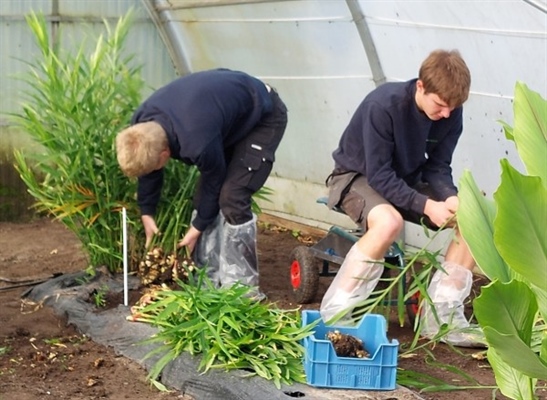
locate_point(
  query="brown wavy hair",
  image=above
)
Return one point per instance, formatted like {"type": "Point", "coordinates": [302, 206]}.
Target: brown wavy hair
{"type": "Point", "coordinates": [445, 74]}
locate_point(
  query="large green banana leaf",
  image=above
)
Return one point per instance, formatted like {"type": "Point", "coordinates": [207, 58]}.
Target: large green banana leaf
{"type": "Point", "coordinates": [508, 238]}
{"type": "Point", "coordinates": [476, 223]}
{"type": "Point", "coordinates": [520, 226]}
{"type": "Point", "coordinates": [530, 130]}
{"type": "Point", "coordinates": [507, 311]}
{"type": "Point", "coordinates": [541, 296]}
{"type": "Point", "coordinates": [512, 383]}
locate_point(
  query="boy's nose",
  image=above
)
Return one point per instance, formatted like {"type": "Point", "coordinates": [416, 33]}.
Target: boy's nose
{"type": "Point", "coordinates": [445, 112]}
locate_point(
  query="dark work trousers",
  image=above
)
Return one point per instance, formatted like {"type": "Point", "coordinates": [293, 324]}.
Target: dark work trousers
{"type": "Point", "coordinates": [250, 163]}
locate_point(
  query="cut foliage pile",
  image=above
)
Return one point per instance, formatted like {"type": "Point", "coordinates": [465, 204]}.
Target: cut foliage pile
{"type": "Point", "coordinates": [228, 328]}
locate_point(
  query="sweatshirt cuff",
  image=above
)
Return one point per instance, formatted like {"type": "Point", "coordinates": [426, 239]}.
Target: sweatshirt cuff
{"type": "Point", "coordinates": [418, 204]}
{"type": "Point", "coordinates": [148, 210]}
{"type": "Point", "coordinates": [201, 224]}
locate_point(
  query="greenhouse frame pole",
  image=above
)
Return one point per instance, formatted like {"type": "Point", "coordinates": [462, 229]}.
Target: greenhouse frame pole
{"type": "Point", "coordinates": [171, 37]}
{"type": "Point", "coordinates": [368, 43]}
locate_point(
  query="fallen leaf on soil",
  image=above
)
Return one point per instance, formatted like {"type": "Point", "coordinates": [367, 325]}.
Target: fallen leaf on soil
{"type": "Point", "coordinates": [99, 362]}
{"type": "Point", "coordinates": [479, 356]}
{"type": "Point", "coordinates": [92, 382]}
{"type": "Point", "coordinates": [306, 239]}
{"type": "Point", "coordinates": [278, 229]}
{"type": "Point", "coordinates": [409, 355]}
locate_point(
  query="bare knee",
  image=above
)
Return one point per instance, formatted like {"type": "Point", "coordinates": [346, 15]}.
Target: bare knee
{"type": "Point", "coordinates": [386, 222]}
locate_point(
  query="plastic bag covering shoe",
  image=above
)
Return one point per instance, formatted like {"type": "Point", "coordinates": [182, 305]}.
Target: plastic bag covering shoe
{"type": "Point", "coordinates": [354, 282]}
{"type": "Point", "coordinates": [447, 291]}
{"type": "Point", "coordinates": [207, 251]}
{"type": "Point", "coordinates": [238, 257]}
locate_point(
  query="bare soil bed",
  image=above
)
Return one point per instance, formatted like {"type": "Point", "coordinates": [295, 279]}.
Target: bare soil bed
{"type": "Point", "coordinates": [43, 357]}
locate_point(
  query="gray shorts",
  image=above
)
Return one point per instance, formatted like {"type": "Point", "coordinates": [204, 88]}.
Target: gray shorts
{"type": "Point", "coordinates": [349, 192]}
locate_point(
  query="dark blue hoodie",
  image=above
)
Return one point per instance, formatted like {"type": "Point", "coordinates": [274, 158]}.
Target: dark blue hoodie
{"type": "Point", "coordinates": [204, 114]}
{"type": "Point", "coordinates": [395, 145]}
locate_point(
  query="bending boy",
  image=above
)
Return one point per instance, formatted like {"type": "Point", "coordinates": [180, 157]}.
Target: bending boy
{"type": "Point", "coordinates": [229, 125]}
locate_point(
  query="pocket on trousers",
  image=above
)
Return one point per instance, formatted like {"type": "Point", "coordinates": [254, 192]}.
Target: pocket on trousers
{"type": "Point", "coordinates": [258, 168]}
{"type": "Point", "coordinates": [338, 186]}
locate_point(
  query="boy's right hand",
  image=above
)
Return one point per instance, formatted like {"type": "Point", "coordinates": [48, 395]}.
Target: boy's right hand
{"type": "Point", "coordinates": [438, 212]}
{"type": "Point", "coordinates": [150, 228]}
{"type": "Point", "coordinates": [190, 239]}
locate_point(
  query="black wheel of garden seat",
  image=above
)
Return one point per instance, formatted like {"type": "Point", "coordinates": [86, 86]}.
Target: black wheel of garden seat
{"type": "Point", "coordinates": [304, 275]}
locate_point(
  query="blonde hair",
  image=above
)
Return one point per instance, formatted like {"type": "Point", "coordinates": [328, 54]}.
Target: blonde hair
{"type": "Point", "coordinates": [445, 74]}
{"type": "Point", "coordinates": [138, 148]}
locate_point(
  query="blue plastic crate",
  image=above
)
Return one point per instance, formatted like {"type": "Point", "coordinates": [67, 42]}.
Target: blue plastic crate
{"type": "Point", "coordinates": [325, 369]}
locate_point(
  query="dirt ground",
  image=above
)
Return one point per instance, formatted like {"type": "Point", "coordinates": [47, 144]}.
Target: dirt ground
{"type": "Point", "coordinates": [42, 357]}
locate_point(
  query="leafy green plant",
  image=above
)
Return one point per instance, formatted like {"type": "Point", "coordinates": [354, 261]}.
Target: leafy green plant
{"type": "Point", "coordinates": [75, 105]}
{"type": "Point", "coordinates": [426, 383]}
{"type": "Point", "coordinates": [508, 239]}
{"type": "Point", "coordinates": [228, 329]}
{"type": "Point", "coordinates": [52, 341]}
{"type": "Point", "coordinates": [99, 296]}
{"type": "Point", "coordinates": [175, 207]}
{"type": "Point", "coordinates": [4, 350]}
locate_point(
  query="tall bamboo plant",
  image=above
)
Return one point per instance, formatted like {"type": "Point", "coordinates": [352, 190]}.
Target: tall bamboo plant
{"type": "Point", "coordinates": [508, 239]}
{"type": "Point", "coordinates": [74, 105]}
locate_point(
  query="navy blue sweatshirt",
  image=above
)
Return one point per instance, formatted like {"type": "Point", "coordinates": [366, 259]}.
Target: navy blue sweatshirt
{"type": "Point", "coordinates": [395, 145]}
{"type": "Point", "coordinates": [203, 114]}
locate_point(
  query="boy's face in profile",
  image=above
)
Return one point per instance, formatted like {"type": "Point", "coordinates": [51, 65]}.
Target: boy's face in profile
{"type": "Point", "coordinates": [431, 104]}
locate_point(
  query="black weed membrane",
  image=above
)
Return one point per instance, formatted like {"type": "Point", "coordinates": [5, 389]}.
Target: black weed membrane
{"type": "Point", "coordinates": [75, 297]}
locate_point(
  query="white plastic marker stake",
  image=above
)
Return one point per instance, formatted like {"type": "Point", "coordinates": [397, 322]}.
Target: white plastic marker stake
{"type": "Point", "coordinates": [124, 241]}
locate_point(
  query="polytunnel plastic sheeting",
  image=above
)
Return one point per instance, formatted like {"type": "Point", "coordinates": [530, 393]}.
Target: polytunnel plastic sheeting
{"type": "Point", "coordinates": [324, 56]}
{"type": "Point", "coordinates": [69, 296]}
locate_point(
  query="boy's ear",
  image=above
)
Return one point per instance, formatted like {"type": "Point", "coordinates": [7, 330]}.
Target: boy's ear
{"type": "Point", "coordinates": [164, 157]}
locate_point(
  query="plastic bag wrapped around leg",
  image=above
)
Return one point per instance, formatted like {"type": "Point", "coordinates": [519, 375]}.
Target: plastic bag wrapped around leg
{"type": "Point", "coordinates": [354, 282]}
{"type": "Point", "coordinates": [448, 290]}
{"type": "Point", "coordinates": [207, 251]}
{"type": "Point", "coordinates": [238, 257]}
